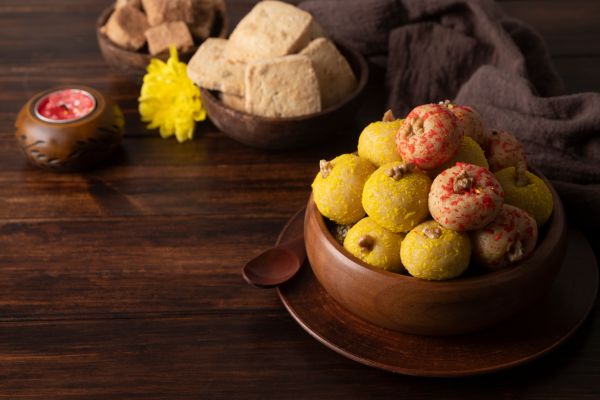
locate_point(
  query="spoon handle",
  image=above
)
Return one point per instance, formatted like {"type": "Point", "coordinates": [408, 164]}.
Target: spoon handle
{"type": "Point", "coordinates": [296, 246]}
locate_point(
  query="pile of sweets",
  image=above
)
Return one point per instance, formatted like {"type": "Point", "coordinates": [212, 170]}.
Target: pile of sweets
{"type": "Point", "coordinates": [161, 23]}
{"type": "Point", "coordinates": [277, 63]}
{"type": "Point", "coordinates": [434, 193]}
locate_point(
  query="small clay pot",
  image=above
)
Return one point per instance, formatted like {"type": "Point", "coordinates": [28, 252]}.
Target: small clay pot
{"type": "Point", "coordinates": [74, 144]}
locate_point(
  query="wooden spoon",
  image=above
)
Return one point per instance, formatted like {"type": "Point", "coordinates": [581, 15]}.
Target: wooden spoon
{"type": "Point", "coordinates": [277, 265]}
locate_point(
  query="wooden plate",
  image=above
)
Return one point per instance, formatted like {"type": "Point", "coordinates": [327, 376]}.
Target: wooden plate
{"type": "Point", "coordinates": [532, 334]}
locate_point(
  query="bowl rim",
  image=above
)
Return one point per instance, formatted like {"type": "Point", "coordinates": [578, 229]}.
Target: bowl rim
{"type": "Point", "coordinates": [555, 229]}
{"type": "Point", "coordinates": [107, 12]}
{"type": "Point", "coordinates": [363, 69]}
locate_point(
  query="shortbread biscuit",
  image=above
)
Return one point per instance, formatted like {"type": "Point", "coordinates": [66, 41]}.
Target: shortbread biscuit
{"type": "Point", "coordinates": [336, 79]}
{"type": "Point", "coordinates": [233, 101]}
{"type": "Point", "coordinates": [282, 87]}
{"type": "Point", "coordinates": [209, 69]}
{"type": "Point", "coordinates": [271, 29]}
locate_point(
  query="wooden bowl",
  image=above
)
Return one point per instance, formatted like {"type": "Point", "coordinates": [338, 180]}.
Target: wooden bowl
{"type": "Point", "coordinates": [411, 305]}
{"type": "Point", "coordinates": [294, 132]}
{"type": "Point", "coordinates": [136, 61]}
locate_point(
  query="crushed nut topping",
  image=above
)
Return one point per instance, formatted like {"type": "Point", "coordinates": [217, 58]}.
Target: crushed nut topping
{"type": "Point", "coordinates": [432, 232]}
{"type": "Point", "coordinates": [412, 127]}
{"type": "Point", "coordinates": [463, 182]}
{"type": "Point", "coordinates": [325, 167]}
{"type": "Point", "coordinates": [366, 242]}
{"type": "Point", "coordinates": [388, 116]}
{"type": "Point", "coordinates": [521, 178]}
{"type": "Point", "coordinates": [398, 171]}
{"type": "Point", "coordinates": [515, 251]}
{"type": "Point", "coordinates": [446, 103]}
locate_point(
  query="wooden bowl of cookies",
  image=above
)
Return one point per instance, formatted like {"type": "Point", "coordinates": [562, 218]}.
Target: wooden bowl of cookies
{"type": "Point", "coordinates": [404, 303]}
{"type": "Point", "coordinates": [290, 132]}
{"type": "Point", "coordinates": [133, 61]}
{"type": "Point", "coordinates": [278, 81]}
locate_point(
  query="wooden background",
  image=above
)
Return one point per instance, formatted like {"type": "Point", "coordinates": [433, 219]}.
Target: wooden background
{"type": "Point", "coordinates": [125, 282]}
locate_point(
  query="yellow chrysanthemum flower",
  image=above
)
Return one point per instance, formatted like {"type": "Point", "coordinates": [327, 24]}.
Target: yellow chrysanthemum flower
{"type": "Point", "coordinates": [169, 100]}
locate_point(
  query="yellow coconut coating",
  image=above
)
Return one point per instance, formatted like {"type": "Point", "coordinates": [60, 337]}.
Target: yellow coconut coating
{"type": "Point", "coordinates": [535, 198]}
{"type": "Point", "coordinates": [468, 152]}
{"type": "Point", "coordinates": [397, 204]}
{"type": "Point", "coordinates": [377, 142]}
{"type": "Point", "coordinates": [380, 248]}
{"type": "Point", "coordinates": [435, 258]}
{"type": "Point", "coordinates": [338, 194]}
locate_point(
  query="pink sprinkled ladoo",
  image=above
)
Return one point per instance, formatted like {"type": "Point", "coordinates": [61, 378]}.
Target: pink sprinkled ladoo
{"type": "Point", "coordinates": [509, 238]}
{"type": "Point", "coordinates": [471, 121]}
{"type": "Point", "coordinates": [465, 197]}
{"type": "Point", "coordinates": [429, 136]}
{"type": "Point", "coordinates": [504, 150]}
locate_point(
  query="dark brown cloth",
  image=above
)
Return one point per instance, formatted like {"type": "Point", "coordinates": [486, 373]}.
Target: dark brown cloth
{"type": "Point", "coordinates": [470, 51]}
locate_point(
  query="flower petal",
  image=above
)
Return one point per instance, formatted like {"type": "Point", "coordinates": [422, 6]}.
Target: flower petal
{"type": "Point", "coordinates": [169, 100]}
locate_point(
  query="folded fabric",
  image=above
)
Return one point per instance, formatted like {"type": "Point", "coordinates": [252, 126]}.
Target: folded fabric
{"type": "Point", "coordinates": [470, 51]}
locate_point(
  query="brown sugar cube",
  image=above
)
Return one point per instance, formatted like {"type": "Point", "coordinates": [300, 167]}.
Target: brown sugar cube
{"type": "Point", "coordinates": [134, 3]}
{"type": "Point", "coordinates": [161, 11]}
{"type": "Point", "coordinates": [271, 29]}
{"type": "Point", "coordinates": [161, 37]}
{"type": "Point", "coordinates": [203, 15]}
{"type": "Point", "coordinates": [209, 69]}
{"type": "Point", "coordinates": [126, 27]}
{"type": "Point", "coordinates": [233, 101]}
{"type": "Point", "coordinates": [336, 79]}
{"type": "Point", "coordinates": [282, 87]}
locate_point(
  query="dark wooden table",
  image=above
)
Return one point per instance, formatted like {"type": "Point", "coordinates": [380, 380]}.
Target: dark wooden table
{"type": "Point", "coordinates": [125, 282]}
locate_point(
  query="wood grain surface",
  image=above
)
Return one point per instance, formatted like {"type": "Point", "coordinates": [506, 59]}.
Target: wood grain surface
{"type": "Point", "coordinates": [124, 282]}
